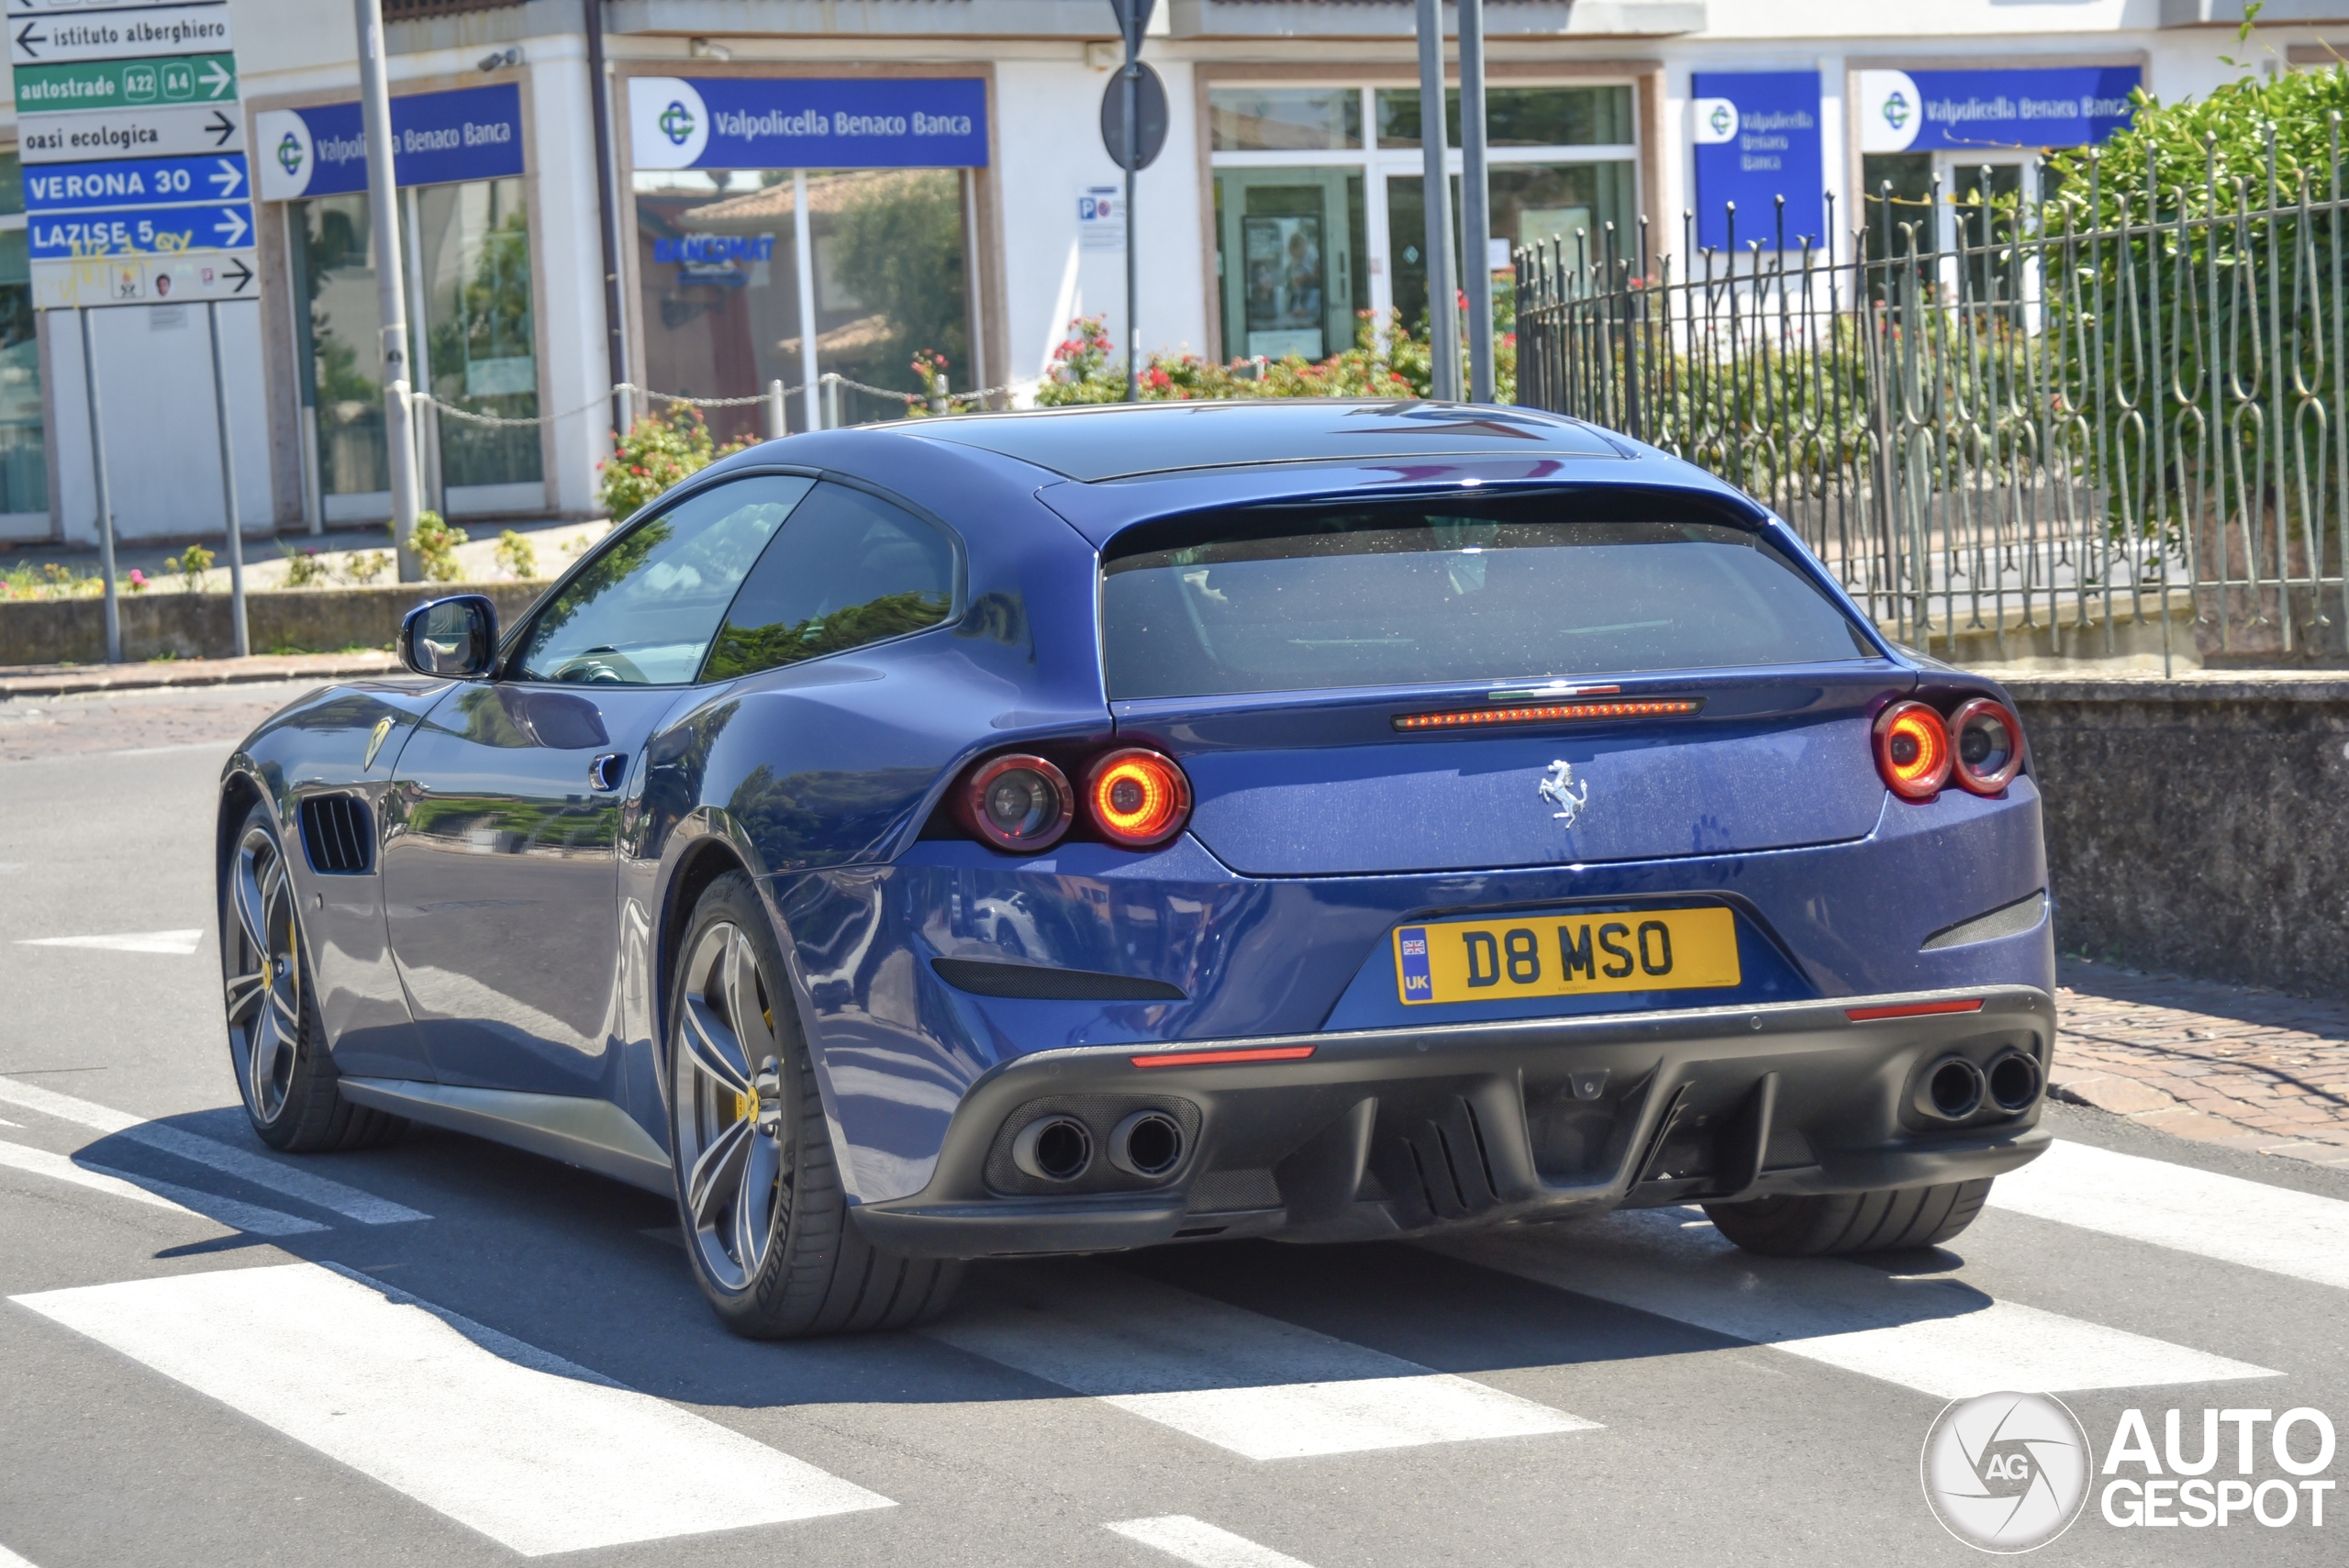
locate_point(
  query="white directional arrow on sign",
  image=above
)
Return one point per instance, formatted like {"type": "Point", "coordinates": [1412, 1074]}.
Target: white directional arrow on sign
{"type": "Point", "coordinates": [229, 179]}
{"type": "Point", "coordinates": [216, 80]}
{"type": "Point", "coordinates": [229, 227]}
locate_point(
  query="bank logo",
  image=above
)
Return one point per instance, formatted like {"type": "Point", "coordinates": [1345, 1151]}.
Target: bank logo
{"type": "Point", "coordinates": [677, 123]}
{"type": "Point", "coordinates": [289, 154]}
{"type": "Point", "coordinates": [1723, 121]}
{"type": "Point", "coordinates": [1895, 109]}
{"type": "Point", "coordinates": [2006, 1473]}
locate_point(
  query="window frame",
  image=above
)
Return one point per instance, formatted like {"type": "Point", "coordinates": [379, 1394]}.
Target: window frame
{"type": "Point", "coordinates": [508, 669]}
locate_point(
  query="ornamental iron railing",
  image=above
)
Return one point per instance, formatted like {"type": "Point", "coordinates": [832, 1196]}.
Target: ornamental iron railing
{"type": "Point", "coordinates": [2107, 422]}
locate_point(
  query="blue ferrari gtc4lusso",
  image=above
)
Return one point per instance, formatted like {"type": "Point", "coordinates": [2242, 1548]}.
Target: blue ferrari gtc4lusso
{"type": "Point", "coordinates": [1069, 831]}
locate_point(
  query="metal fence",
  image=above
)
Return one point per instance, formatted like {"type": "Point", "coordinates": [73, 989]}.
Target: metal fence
{"type": "Point", "coordinates": [2010, 425]}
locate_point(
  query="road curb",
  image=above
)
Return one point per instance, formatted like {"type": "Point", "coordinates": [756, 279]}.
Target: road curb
{"type": "Point", "coordinates": [73, 679]}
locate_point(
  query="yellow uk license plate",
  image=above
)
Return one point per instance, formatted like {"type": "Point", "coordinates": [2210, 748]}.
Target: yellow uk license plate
{"type": "Point", "coordinates": [1566, 955]}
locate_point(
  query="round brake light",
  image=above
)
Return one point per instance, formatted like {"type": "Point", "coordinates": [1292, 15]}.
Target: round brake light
{"type": "Point", "coordinates": [1987, 743]}
{"type": "Point", "coordinates": [1912, 751]}
{"type": "Point", "coordinates": [1139, 797]}
{"type": "Point", "coordinates": [1018, 803]}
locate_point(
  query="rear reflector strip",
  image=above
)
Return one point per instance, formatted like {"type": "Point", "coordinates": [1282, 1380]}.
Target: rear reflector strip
{"type": "Point", "coordinates": [1550, 713]}
{"type": "Point", "coordinates": [1913, 1010]}
{"type": "Point", "coordinates": [1224, 1058]}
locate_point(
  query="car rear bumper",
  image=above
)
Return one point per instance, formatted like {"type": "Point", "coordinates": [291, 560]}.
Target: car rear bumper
{"type": "Point", "coordinates": [1385, 1132]}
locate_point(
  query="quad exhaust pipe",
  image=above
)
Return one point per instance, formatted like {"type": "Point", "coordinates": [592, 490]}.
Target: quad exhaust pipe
{"type": "Point", "coordinates": [1148, 1144]}
{"type": "Point", "coordinates": [1954, 1089]}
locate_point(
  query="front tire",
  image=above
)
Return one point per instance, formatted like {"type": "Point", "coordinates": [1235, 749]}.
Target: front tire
{"type": "Point", "coordinates": [276, 1037]}
{"type": "Point", "coordinates": [766, 1220]}
{"type": "Point", "coordinates": [1888, 1220]}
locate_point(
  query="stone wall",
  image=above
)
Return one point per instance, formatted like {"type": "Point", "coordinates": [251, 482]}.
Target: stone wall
{"type": "Point", "coordinates": [198, 625]}
{"type": "Point", "coordinates": [2198, 824]}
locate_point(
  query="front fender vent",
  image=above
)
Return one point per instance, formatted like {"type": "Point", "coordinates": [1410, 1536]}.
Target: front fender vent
{"type": "Point", "coordinates": [338, 835]}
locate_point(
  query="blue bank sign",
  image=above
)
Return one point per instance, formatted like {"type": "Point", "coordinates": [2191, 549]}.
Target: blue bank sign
{"type": "Point", "coordinates": [1757, 139]}
{"type": "Point", "coordinates": [1903, 111]}
{"type": "Point", "coordinates": [438, 139]}
{"type": "Point", "coordinates": [808, 122]}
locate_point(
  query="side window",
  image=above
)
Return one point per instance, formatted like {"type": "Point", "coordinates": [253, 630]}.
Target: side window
{"type": "Point", "coordinates": [644, 609]}
{"type": "Point", "coordinates": [848, 570]}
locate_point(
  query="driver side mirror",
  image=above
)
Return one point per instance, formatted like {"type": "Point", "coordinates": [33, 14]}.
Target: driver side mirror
{"type": "Point", "coordinates": [455, 637]}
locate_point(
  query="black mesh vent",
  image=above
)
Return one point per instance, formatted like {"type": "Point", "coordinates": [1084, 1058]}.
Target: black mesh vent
{"type": "Point", "coordinates": [337, 834]}
{"type": "Point", "coordinates": [1034, 982]}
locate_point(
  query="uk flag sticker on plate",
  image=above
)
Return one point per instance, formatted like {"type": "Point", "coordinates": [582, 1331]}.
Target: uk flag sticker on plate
{"type": "Point", "coordinates": [1411, 951]}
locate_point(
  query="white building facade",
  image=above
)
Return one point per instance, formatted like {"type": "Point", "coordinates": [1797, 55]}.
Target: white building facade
{"type": "Point", "coordinates": [810, 192]}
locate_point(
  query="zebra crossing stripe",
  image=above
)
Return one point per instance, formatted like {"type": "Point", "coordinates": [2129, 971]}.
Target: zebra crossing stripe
{"type": "Point", "coordinates": [1247, 1383]}
{"type": "Point", "coordinates": [242, 1163]}
{"type": "Point", "coordinates": [2225, 1219]}
{"type": "Point", "coordinates": [538, 1454]}
{"type": "Point", "coordinates": [1197, 1542]}
{"type": "Point", "coordinates": [146, 1190]}
{"type": "Point", "coordinates": [1938, 1336]}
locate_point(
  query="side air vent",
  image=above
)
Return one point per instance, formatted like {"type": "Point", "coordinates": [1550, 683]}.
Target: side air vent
{"type": "Point", "coordinates": [1037, 983]}
{"type": "Point", "coordinates": [337, 834]}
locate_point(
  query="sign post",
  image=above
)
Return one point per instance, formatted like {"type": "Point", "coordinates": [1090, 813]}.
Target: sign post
{"type": "Point", "coordinates": [383, 213]}
{"type": "Point", "coordinates": [137, 190]}
{"type": "Point", "coordinates": [1133, 152]}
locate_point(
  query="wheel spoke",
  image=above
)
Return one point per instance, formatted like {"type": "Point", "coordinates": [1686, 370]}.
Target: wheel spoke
{"type": "Point", "coordinates": [754, 1204]}
{"type": "Point", "coordinates": [244, 995]}
{"type": "Point", "coordinates": [742, 995]}
{"type": "Point", "coordinates": [260, 1060]}
{"type": "Point", "coordinates": [246, 894]}
{"type": "Point", "coordinates": [715, 1175]}
{"type": "Point", "coordinates": [713, 1048]}
{"type": "Point", "coordinates": [288, 1021]}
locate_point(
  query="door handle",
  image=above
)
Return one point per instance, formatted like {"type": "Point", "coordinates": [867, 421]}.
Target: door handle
{"type": "Point", "coordinates": [606, 772]}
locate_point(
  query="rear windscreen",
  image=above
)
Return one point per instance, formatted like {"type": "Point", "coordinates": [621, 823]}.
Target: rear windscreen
{"type": "Point", "coordinates": [1294, 600]}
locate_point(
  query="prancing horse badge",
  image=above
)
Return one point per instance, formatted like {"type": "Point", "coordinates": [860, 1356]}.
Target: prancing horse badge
{"type": "Point", "coordinates": [1560, 789]}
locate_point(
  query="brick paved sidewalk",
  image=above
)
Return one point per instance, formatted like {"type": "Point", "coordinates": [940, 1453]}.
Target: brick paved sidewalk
{"type": "Point", "coordinates": [70, 680]}
{"type": "Point", "coordinates": [2223, 1063]}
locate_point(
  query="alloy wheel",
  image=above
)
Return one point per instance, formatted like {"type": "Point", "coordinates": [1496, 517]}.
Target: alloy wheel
{"type": "Point", "coordinates": [730, 1139]}
{"type": "Point", "coordinates": [265, 984]}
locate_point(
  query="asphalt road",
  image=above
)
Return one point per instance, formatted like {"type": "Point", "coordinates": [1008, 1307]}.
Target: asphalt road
{"type": "Point", "coordinates": [445, 1352]}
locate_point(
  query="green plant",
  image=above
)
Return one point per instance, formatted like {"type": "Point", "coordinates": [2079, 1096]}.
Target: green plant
{"type": "Point", "coordinates": [436, 545]}
{"type": "Point", "coordinates": [191, 567]}
{"type": "Point", "coordinates": [303, 568]}
{"type": "Point", "coordinates": [517, 556]}
{"type": "Point", "coordinates": [657, 451]}
{"type": "Point", "coordinates": [1386, 361]}
{"type": "Point", "coordinates": [364, 566]}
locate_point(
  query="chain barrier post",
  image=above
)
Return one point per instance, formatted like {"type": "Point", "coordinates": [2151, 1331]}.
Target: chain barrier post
{"type": "Point", "coordinates": [777, 428]}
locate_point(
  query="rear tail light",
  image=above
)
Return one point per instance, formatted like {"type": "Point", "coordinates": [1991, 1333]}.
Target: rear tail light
{"type": "Point", "coordinates": [1018, 802]}
{"type": "Point", "coordinates": [1912, 749]}
{"type": "Point", "coordinates": [1138, 797]}
{"type": "Point", "coordinates": [1987, 744]}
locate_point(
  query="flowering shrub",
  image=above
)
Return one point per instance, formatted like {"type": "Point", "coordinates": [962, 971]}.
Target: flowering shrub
{"type": "Point", "coordinates": [517, 556]}
{"type": "Point", "coordinates": [1382, 363]}
{"type": "Point", "coordinates": [191, 568]}
{"type": "Point", "coordinates": [51, 580]}
{"type": "Point", "coordinates": [929, 369]}
{"type": "Point", "coordinates": [364, 566]}
{"type": "Point", "coordinates": [657, 451]}
{"type": "Point", "coordinates": [305, 568]}
{"type": "Point", "coordinates": [138, 581]}
{"type": "Point", "coordinates": [436, 547]}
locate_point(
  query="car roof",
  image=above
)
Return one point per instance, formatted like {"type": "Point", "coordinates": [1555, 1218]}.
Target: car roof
{"type": "Point", "coordinates": [1126, 440]}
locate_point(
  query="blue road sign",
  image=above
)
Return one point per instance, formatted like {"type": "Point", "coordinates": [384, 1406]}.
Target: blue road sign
{"type": "Point", "coordinates": [136, 182]}
{"type": "Point", "coordinates": [140, 231]}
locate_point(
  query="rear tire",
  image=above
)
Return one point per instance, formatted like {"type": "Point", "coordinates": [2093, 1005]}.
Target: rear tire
{"type": "Point", "coordinates": [277, 1039]}
{"type": "Point", "coordinates": [766, 1223]}
{"type": "Point", "coordinates": [1887, 1220]}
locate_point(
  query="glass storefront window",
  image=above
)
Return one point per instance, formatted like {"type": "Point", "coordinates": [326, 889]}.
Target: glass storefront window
{"type": "Point", "coordinates": [479, 336]}
{"type": "Point", "coordinates": [1519, 116]}
{"type": "Point", "coordinates": [1284, 119]}
{"type": "Point", "coordinates": [1531, 203]}
{"type": "Point", "coordinates": [24, 460]}
{"type": "Point", "coordinates": [1292, 252]}
{"type": "Point", "coordinates": [480, 346]}
{"type": "Point", "coordinates": [342, 361]}
{"type": "Point", "coordinates": [719, 272]}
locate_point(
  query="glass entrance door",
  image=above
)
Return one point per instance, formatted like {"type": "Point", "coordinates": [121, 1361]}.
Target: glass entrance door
{"type": "Point", "coordinates": [1299, 237]}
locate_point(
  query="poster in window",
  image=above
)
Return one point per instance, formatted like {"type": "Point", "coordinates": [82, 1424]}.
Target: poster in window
{"type": "Point", "coordinates": [1285, 261]}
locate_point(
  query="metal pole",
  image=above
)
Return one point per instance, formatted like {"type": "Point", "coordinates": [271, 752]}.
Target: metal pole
{"type": "Point", "coordinates": [1443, 336]}
{"type": "Point", "coordinates": [803, 243]}
{"type": "Point", "coordinates": [607, 208]}
{"type": "Point", "coordinates": [105, 502]}
{"type": "Point", "coordinates": [1475, 205]}
{"type": "Point", "coordinates": [778, 424]}
{"type": "Point", "coordinates": [425, 414]}
{"type": "Point", "coordinates": [383, 213]}
{"type": "Point", "coordinates": [1132, 159]}
{"type": "Point", "coordinates": [229, 487]}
